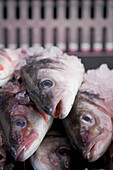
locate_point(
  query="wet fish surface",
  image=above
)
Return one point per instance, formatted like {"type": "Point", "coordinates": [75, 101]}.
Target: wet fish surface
{"type": "Point", "coordinates": [23, 125]}
{"type": "Point", "coordinates": [52, 80]}
{"type": "Point", "coordinates": [89, 124]}
{"type": "Point", "coordinates": [54, 153]}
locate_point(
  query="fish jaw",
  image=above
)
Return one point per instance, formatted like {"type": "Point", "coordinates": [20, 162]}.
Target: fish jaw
{"type": "Point", "coordinates": [98, 146]}
{"type": "Point", "coordinates": [67, 103]}
{"type": "Point", "coordinates": [59, 106]}
{"type": "Point", "coordinates": [59, 109]}
{"type": "Point", "coordinates": [27, 148]}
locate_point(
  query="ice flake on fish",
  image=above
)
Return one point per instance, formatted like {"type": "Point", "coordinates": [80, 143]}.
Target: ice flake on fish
{"type": "Point", "coordinates": [52, 79]}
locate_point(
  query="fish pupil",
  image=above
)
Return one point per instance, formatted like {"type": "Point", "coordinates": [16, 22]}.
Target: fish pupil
{"type": "Point", "coordinates": [21, 124]}
{"type": "Point", "coordinates": [86, 118]}
{"type": "Point", "coordinates": [1, 157]}
{"type": "Point", "coordinates": [64, 152]}
{"type": "Point", "coordinates": [46, 84]}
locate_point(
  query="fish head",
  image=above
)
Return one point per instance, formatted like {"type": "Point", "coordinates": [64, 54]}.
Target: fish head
{"type": "Point", "coordinates": [22, 134]}
{"type": "Point", "coordinates": [21, 125]}
{"type": "Point", "coordinates": [53, 153]}
{"type": "Point", "coordinates": [52, 83]}
{"type": "Point", "coordinates": [93, 130]}
{"type": "Point", "coordinates": [56, 93]}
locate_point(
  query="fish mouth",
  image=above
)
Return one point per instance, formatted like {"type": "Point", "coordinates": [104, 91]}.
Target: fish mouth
{"type": "Point", "coordinates": [57, 112]}
{"type": "Point", "coordinates": [97, 147]}
{"type": "Point", "coordinates": [89, 154]}
{"type": "Point", "coordinates": [24, 151]}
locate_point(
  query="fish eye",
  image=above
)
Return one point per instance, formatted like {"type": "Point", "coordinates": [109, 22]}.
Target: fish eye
{"type": "Point", "coordinates": [46, 84]}
{"type": "Point", "coordinates": [63, 151]}
{"type": "Point", "coordinates": [87, 119]}
{"type": "Point", "coordinates": [20, 122]}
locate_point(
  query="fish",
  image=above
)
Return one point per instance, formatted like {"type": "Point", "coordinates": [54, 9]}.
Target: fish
{"type": "Point", "coordinates": [52, 80]}
{"type": "Point", "coordinates": [10, 60]}
{"type": "Point", "coordinates": [54, 153]}
{"type": "Point", "coordinates": [24, 127]}
{"type": "Point", "coordinates": [89, 124]}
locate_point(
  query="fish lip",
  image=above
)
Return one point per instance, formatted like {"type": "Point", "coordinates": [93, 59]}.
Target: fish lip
{"type": "Point", "coordinates": [88, 155]}
{"type": "Point", "coordinates": [94, 146]}
{"type": "Point", "coordinates": [25, 146]}
{"type": "Point", "coordinates": [57, 110]}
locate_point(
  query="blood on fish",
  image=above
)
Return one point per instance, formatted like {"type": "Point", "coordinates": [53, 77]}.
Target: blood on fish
{"type": "Point", "coordinates": [23, 51]}
{"type": "Point", "coordinates": [87, 137]}
{"type": "Point", "coordinates": [58, 109]}
{"type": "Point", "coordinates": [32, 136]}
{"type": "Point", "coordinates": [6, 56]}
{"type": "Point", "coordinates": [1, 67]}
{"type": "Point", "coordinates": [42, 114]}
{"type": "Point", "coordinates": [6, 92]}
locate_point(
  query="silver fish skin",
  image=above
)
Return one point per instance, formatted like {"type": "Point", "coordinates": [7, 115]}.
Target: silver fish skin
{"type": "Point", "coordinates": [24, 127]}
{"type": "Point", "coordinates": [52, 80]}
{"type": "Point", "coordinates": [89, 124]}
{"type": "Point", "coordinates": [10, 60]}
{"type": "Point", "coordinates": [54, 153]}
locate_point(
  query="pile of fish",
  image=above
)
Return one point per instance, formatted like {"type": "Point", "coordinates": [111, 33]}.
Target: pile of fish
{"type": "Point", "coordinates": [38, 85]}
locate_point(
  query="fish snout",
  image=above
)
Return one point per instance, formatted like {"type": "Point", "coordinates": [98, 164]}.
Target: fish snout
{"type": "Point", "coordinates": [98, 146]}
{"type": "Point", "coordinates": [53, 110]}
